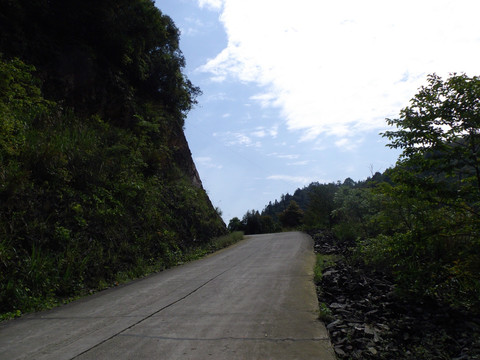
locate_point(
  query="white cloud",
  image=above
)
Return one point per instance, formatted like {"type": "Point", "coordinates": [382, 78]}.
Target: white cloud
{"type": "Point", "coordinates": [266, 99]}
{"type": "Point", "coordinates": [262, 132]}
{"type": "Point", "coordinates": [290, 156]}
{"type": "Point", "coordinates": [349, 144]}
{"type": "Point", "coordinates": [284, 156]}
{"type": "Point", "coordinates": [292, 179]}
{"type": "Point", "coordinates": [207, 162]}
{"type": "Point", "coordinates": [341, 142]}
{"type": "Point", "coordinates": [342, 67]}
{"type": "Point", "coordinates": [212, 4]}
{"type": "Point", "coordinates": [231, 138]}
{"type": "Point", "coordinates": [221, 96]}
{"type": "Point", "coordinates": [273, 131]}
{"type": "Point", "coordinates": [299, 163]}
{"type": "Point", "coordinates": [259, 133]}
{"type": "Point", "coordinates": [193, 27]}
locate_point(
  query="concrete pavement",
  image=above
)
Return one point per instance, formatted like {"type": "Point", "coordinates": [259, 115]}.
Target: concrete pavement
{"type": "Point", "coordinates": [254, 300]}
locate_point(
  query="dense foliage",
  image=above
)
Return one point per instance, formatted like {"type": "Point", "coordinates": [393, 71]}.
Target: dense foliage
{"type": "Point", "coordinates": [96, 178]}
{"type": "Point", "coordinates": [107, 57]}
{"type": "Point", "coordinates": [254, 223]}
{"type": "Point", "coordinates": [431, 241]}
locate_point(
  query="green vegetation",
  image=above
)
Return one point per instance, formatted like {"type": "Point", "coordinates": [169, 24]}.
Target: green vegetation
{"type": "Point", "coordinates": [419, 221]}
{"type": "Point", "coordinates": [324, 313]}
{"type": "Point", "coordinates": [323, 262]}
{"type": "Point", "coordinates": [292, 216]}
{"type": "Point", "coordinates": [430, 218]}
{"type": "Point", "coordinates": [212, 245]}
{"type": "Point", "coordinates": [97, 183]}
{"type": "Point", "coordinates": [309, 208]}
{"type": "Point", "coordinates": [254, 223]}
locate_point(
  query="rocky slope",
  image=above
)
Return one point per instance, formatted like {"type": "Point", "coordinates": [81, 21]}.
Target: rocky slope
{"type": "Point", "coordinates": [367, 320]}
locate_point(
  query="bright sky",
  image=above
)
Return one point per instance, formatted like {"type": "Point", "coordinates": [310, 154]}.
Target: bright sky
{"type": "Point", "coordinates": [298, 91]}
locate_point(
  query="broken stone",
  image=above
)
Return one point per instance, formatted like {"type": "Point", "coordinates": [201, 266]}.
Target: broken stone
{"type": "Point", "coordinates": [339, 351]}
{"type": "Point", "coordinates": [370, 320]}
{"type": "Point", "coordinates": [334, 323]}
{"type": "Point", "coordinates": [336, 306]}
{"type": "Point", "coordinates": [369, 330]}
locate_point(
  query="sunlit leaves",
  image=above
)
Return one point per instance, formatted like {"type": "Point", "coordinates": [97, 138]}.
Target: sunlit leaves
{"type": "Point", "coordinates": [431, 218]}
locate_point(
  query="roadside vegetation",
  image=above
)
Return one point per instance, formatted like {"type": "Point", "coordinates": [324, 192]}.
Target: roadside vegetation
{"type": "Point", "coordinates": [323, 262]}
{"type": "Point", "coordinates": [97, 184]}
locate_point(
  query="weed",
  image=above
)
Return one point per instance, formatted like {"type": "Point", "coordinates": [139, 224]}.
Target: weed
{"type": "Point", "coordinates": [324, 313]}
{"type": "Point", "coordinates": [323, 262]}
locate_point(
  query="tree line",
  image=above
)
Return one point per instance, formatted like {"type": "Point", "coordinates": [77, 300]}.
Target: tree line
{"type": "Point", "coordinates": [309, 207]}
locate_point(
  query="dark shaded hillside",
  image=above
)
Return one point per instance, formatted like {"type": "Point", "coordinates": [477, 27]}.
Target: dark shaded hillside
{"type": "Point", "coordinates": [100, 57]}
{"type": "Point", "coordinates": [96, 177]}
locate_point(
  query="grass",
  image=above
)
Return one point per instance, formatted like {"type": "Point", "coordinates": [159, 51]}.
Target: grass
{"type": "Point", "coordinates": [324, 313]}
{"type": "Point", "coordinates": [226, 240]}
{"type": "Point", "coordinates": [191, 254]}
{"type": "Point", "coordinates": [323, 261]}
{"type": "Point", "coordinates": [140, 271]}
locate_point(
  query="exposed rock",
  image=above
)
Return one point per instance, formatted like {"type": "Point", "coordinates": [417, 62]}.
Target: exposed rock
{"type": "Point", "coordinates": [369, 321]}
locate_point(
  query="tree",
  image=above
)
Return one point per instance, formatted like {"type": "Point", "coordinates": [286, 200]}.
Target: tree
{"type": "Point", "coordinates": [432, 207]}
{"type": "Point", "coordinates": [292, 216]}
{"type": "Point", "coordinates": [320, 205]}
{"type": "Point", "coordinates": [355, 212]}
{"type": "Point", "coordinates": [235, 224]}
{"type": "Point", "coordinates": [440, 137]}
{"type": "Point", "coordinates": [252, 222]}
{"type": "Point", "coordinates": [349, 182]}
{"type": "Point", "coordinates": [268, 224]}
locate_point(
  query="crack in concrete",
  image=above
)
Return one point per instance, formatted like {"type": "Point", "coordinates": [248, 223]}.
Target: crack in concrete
{"type": "Point", "coordinates": [85, 317]}
{"type": "Point", "coordinates": [161, 309]}
{"type": "Point", "coordinates": [228, 338]}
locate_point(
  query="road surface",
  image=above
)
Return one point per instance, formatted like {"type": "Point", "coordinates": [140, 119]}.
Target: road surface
{"type": "Point", "coordinates": [254, 300]}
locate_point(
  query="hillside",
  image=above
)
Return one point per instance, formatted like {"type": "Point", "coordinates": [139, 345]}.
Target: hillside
{"type": "Point", "coordinates": [96, 177]}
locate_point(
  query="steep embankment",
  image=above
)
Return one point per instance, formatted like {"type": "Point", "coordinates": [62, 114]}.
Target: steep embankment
{"type": "Point", "coordinates": [96, 177]}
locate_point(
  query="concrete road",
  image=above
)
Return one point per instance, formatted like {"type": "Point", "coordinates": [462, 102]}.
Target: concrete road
{"type": "Point", "coordinates": [254, 300]}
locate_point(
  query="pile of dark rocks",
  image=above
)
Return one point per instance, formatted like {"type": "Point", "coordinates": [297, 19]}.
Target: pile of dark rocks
{"type": "Point", "coordinates": [367, 320]}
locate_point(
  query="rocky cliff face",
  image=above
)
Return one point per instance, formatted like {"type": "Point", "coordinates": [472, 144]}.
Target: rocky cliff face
{"type": "Point", "coordinates": [183, 156]}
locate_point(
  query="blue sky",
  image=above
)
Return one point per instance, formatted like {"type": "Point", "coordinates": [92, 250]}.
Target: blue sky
{"type": "Point", "coordinates": [298, 91]}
